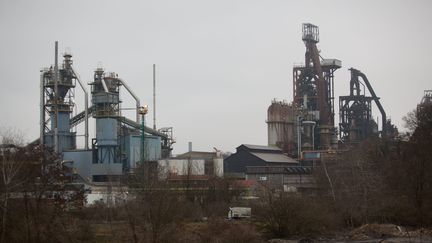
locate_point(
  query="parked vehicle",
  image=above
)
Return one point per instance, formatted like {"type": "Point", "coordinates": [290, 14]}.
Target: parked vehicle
{"type": "Point", "coordinates": [239, 213]}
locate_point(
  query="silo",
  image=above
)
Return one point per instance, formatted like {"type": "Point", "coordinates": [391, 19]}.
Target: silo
{"type": "Point", "coordinates": [280, 125]}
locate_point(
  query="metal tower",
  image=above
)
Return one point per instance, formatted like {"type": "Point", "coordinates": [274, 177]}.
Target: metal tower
{"type": "Point", "coordinates": [313, 91]}
{"type": "Point", "coordinates": [355, 121]}
{"type": "Point", "coordinates": [106, 110]}
{"type": "Point", "coordinates": [57, 103]}
{"type": "Point", "coordinates": [355, 113]}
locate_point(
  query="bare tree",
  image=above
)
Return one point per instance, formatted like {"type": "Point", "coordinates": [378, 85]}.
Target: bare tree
{"type": "Point", "coordinates": [410, 121]}
{"type": "Point", "coordinates": [10, 167]}
{"type": "Point", "coordinates": [154, 206]}
{"type": "Point", "coordinates": [35, 194]}
{"type": "Point", "coordinates": [285, 215]}
{"type": "Point", "coordinates": [416, 164]}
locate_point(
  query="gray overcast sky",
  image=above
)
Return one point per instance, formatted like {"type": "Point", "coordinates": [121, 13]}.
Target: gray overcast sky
{"type": "Point", "coordinates": [219, 63]}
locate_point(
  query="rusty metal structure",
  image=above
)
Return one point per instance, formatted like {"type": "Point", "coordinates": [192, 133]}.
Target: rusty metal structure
{"type": "Point", "coordinates": [306, 128]}
{"type": "Point", "coordinates": [313, 93]}
{"type": "Point", "coordinates": [356, 122]}
{"type": "Point", "coordinates": [280, 125]}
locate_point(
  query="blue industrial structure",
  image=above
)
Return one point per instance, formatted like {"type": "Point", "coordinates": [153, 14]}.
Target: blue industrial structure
{"type": "Point", "coordinates": [117, 148]}
{"type": "Point", "coordinates": [57, 103]}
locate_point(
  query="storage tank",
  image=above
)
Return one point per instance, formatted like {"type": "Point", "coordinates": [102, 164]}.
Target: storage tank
{"type": "Point", "coordinates": [280, 125]}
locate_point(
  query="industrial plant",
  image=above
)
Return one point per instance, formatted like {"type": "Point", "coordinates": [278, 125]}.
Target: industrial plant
{"type": "Point", "coordinates": [300, 132]}
{"type": "Point", "coordinates": [306, 127]}
{"type": "Point", "coordinates": [322, 169]}
{"type": "Point", "coordinates": [121, 143]}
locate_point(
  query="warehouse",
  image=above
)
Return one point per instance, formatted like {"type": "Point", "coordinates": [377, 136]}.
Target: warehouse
{"type": "Point", "coordinates": [255, 155]}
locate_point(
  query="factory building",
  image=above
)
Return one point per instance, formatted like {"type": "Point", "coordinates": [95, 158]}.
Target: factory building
{"type": "Point", "coordinates": [121, 144]}
{"type": "Point", "coordinates": [213, 161]}
{"type": "Point", "coordinates": [283, 178]}
{"type": "Point", "coordinates": [255, 155]}
{"type": "Point", "coordinates": [192, 165]}
{"type": "Point", "coordinates": [269, 168]}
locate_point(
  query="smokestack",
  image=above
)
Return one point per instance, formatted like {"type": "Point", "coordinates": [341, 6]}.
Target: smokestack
{"type": "Point", "coordinates": [154, 96]}
{"type": "Point", "coordinates": [56, 96]}
{"type": "Point", "coordinates": [190, 146]}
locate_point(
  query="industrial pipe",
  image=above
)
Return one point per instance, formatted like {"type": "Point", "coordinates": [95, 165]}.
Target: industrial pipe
{"type": "Point", "coordinates": [313, 131]}
{"type": "Point", "coordinates": [322, 87]}
{"type": "Point", "coordinates": [137, 125]}
{"type": "Point", "coordinates": [42, 108]}
{"type": "Point", "coordinates": [134, 96]}
{"type": "Point", "coordinates": [104, 85]}
{"type": "Point", "coordinates": [376, 99]}
{"type": "Point", "coordinates": [56, 146]}
{"type": "Point", "coordinates": [299, 137]}
{"type": "Point", "coordinates": [86, 133]}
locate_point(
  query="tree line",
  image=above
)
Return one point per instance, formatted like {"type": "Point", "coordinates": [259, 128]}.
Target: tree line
{"type": "Point", "coordinates": [378, 181]}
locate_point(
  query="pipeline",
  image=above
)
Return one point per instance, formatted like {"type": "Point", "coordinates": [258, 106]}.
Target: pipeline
{"type": "Point", "coordinates": [137, 100]}
{"type": "Point", "coordinates": [358, 73]}
{"type": "Point", "coordinates": [86, 113]}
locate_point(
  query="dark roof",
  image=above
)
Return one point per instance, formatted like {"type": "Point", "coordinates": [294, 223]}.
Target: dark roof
{"type": "Point", "coordinates": [274, 158]}
{"type": "Point", "coordinates": [256, 155]}
{"type": "Point", "coordinates": [278, 170]}
{"type": "Point", "coordinates": [260, 147]}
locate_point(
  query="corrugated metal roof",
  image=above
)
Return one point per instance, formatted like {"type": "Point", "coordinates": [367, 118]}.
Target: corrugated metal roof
{"type": "Point", "coordinates": [279, 170]}
{"type": "Point", "coordinates": [298, 170]}
{"type": "Point", "coordinates": [275, 158]}
{"type": "Point", "coordinates": [261, 147]}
